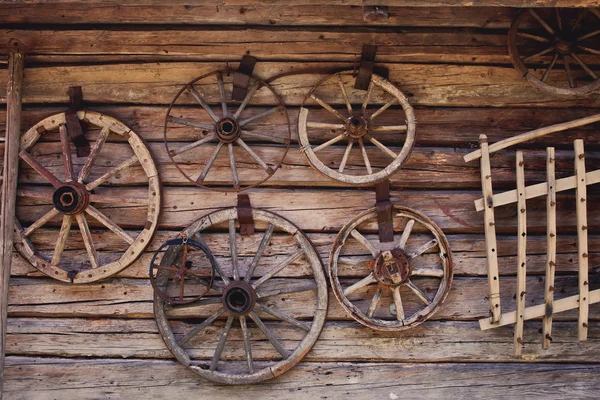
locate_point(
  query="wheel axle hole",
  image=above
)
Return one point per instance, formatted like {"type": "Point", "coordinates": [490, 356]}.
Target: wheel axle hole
{"type": "Point", "coordinates": [238, 299]}
{"type": "Point", "coordinates": [355, 122]}
{"type": "Point", "coordinates": [67, 199]}
{"type": "Point", "coordinates": [227, 127]}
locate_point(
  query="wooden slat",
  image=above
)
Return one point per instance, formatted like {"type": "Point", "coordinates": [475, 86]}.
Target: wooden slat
{"type": "Point", "coordinates": [582, 240]}
{"type": "Point", "coordinates": [551, 251]}
{"type": "Point", "coordinates": [521, 253]}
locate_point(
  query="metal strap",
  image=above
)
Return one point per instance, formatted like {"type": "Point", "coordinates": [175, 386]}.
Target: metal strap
{"type": "Point", "coordinates": [244, 211]}
{"type": "Point", "coordinates": [241, 78]}
{"type": "Point", "coordinates": [73, 125]}
{"type": "Point", "coordinates": [367, 60]}
{"type": "Point", "coordinates": [385, 219]}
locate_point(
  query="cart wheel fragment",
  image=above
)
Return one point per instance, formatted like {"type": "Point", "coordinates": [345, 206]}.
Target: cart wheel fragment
{"type": "Point", "coordinates": [269, 299]}
{"type": "Point", "coordinates": [228, 135]}
{"type": "Point", "coordinates": [366, 121]}
{"type": "Point", "coordinates": [557, 50]}
{"type": "Point", "coordinates": [83, 194]}
{"type": "Point", "coordinates": [401, 283]}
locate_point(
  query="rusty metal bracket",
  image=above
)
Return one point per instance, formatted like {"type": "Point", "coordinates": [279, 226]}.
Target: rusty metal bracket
{"type": "Point", "coordinates": [74, 128]}
{"type": "Point", "coordinates": [367, 61]}
{"type": "Point", "coordinates": [385, 219]}
{"type": "Point", "coordinates": [244, 211]}
{"type": "Point", "coordinates": [241, 78]}
{"type": "Point", "coordinates": [376, 13]}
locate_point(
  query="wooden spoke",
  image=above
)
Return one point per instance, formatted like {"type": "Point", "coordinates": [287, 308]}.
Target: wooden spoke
{"type": "Point", "coordinates": [202, 102]}
{"type": "Point", "coordinates": [547, 72]}
{"type": "Point", "coordinates": [124, 165]}
{"type": "Point", "coordinates": [234, 175]}
{"type": "Point", "coordinates": [588, 35]}
{"type": "Point", "coordinates": [382, 109]}
{"type": "Point", "coordinates": [589, 50]}
{"type": "Point", "coordinates": [209, 164]}
{"type": "Point", "coordinates": [270, 336]}
{"type": "Point", "coordinates": [327, 107]}
{"type": "Point", "coordinates": [65, 147]}
{"type": "Point", "coordinates": [375, 302]}
{"type": "Point", "coordinates": [346, 155]}
{"type": "Point", "coordinates": [261, 249]}
{"type": "Point", "coordinates": [533, 37]}
{"type": "Point", "coordinates": [365, 242]}
{"type": "Point", "coordinates": [322, 125]}
{"type": "Point", "coordinates": [381, 146]}
{"type": "Point", "coordinates": [87, 167]}
{"type": "Point", "coordinates": [568, 72]}
{"type": "Point", "coordinates": [262, 136]}
{"type": "Point", "coordinates": [41, 222]}
{"type": "Point", "coordinates": [417, 292]}
{"type": "Point", "coordinates": [429, 245]}
{"type": "Point", "coordinates": [594, 11]}
{"type": "Point", "coordinates": [40, 169]}
{"type": "Point", "coordinates": [255, 156]}
{"type": "Point", "coordinates": [428, 272]}
{"type": "Point", "coordinates": [198, 237]}
{"type": "Point", "coordinates": [278, 268]}
{"type": "Point", "coordinates": [345, 95]}
{"type": "Point", "coordinates": [539, 54]}
{"type": "Point", "coordinates": [366, 281]}
{"type": "Point", "coordinates": [62, 239]}
{"type": "Point", "coordinates": [222, 94]}
{"type": "Point", "coordinates": [558, 19]}
{"type": "Point", "coordinates": [283, 317]}
{"type": "Point", "coordinates": [541, 21]}
{"type": "Point", "coordinates": [221, 345]}
{"type": "Point", "coordinates": [187, 122]}
{"type": "Point", "coordinates": [406, 233]}
{"type": "Point", "coordinates": [104, 220]}
{"type": "Point", "coordinates": [391, 128]}
{"type": "Point", "coordinates": [584, 66]}
{"type": "Point", "coordinates": [368, 96]}
{"type": "Point", "coordinates": [205, 324]}
{"type": "Point", "coordinates": [247, 345]}
{"type": "Point", "coordinates": [261, 115]}
{"type": "Point", "coordinates": [398, 303]}
{"type": "Point", "coordinates": [87, 240]}
{"type": "Point", "coordinates": [233, 250]}
{"type": "Point", "coordinates": [98, 198]}
{"type": "Point", "coordinates": [244, 103]}
{"type": "Point", "coordinates": [191, 145]}
{"type": "Point", "coordinates": [329, 142]}
{"type": "Point", "coordinates": [365, 156]}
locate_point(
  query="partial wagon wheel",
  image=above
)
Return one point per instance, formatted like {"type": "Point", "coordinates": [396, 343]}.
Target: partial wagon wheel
{"type": "Point", "coordinates": [230, 129]}
{"type": "Point", "coordinates": [363, 121]}
{"type": "Point", "coordinates": [411, 275]}
{"type": "Point", "coordinates": [78, 198]}
{"type": "Point", "coordinates": [557, 50]}
{"type": "Point", "coordinates": [246, 305]}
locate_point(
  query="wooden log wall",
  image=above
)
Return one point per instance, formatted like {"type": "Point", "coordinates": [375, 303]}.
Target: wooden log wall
{"type": "Point", "coordinates": [100, 340]}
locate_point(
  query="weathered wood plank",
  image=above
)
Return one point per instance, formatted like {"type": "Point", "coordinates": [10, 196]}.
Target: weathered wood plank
{"type": "Point", "coordinates": [156, 83]}
{"type": "Point", "coordinates": [434, 341]}
{"type": "Point", "coordinates": [38, 378]}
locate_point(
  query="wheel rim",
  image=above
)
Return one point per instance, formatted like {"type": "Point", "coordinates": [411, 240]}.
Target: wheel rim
{"type": "Point", "coordinates": [357, 124]}
{"type": "Point", "coordinates": [76, 196]}
{"type": "Point", "coordinates": [241, 301]}
{"type": "Point", "coordinates": [232, 128]}
{"type": "Point", "coordinates": [394, 269]}
{"type": "Point", "coordinates": [558, 39]}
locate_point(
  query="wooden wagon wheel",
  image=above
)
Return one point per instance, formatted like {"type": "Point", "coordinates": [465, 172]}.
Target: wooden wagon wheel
{"type": "Point", "coordinates": [405, 269]}
{"type": "Point", "coordinates": [558, 54]}
{"type": "Point", "coordinates": [250, 297]}
{"type": "Point", "coordinates": [357, 122]}
{"type": "Point", "coordinates": [76, 196]}
{"type": "Point", "coordinates": [230, 125]}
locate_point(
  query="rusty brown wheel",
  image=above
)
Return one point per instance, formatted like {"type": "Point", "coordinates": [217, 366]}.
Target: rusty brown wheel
{"type": "Point", "coordinates": [403, 282]}
{"type": "Point", "coordinates": [334, 113]}
{"type": "Point", "coordinates": [228, 135]}
{"type": "Point", "coordinates": [557, 50]}
{"type": "Point", "coordinates": [90, 197]}
{"type": "Point", "coordinates": [269, 301]}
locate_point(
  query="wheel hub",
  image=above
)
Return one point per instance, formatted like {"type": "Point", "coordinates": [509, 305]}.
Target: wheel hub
{"type": "Point", "coordinates": [392, 267]}
{"type": "Point", "coordinates": [563, 46]}
{"type": "Point", "coordinates": [239, 297]}
{"type": "Point", "coordinates": [228, 130]}
{"type": "Point", "coordinates": [71, 198]}
{"type": "Point", "coordinates": [356, 126]}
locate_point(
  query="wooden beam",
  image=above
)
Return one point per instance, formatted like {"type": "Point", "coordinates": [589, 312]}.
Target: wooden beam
{"type": "Point", "coordinates": [521, 253]}
{"type": "Point", "coordinates": [582, 240]}
{"type": "Point", "coordinates": [9, 184]}
{"type": "Point", "coordinates": [551, 250]}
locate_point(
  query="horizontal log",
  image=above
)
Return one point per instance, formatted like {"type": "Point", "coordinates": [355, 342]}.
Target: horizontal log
{"type": "Point", "coordinates": [32, 377]}
{"type": "Point", "coordinates": [433, 341]}
{"type": "Point", "coordinates": [132, 298]}
{"type": "Point", "coordinates": [157, 83]}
